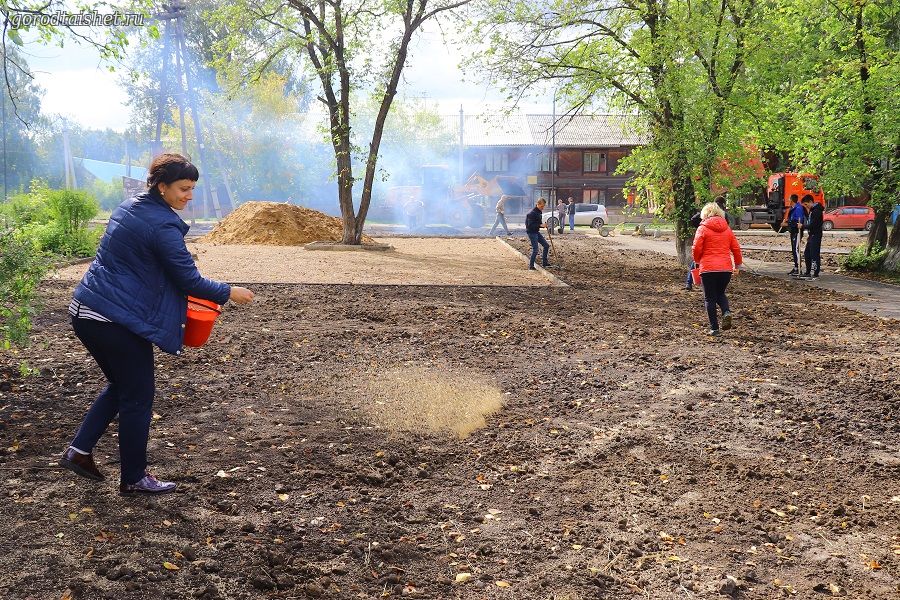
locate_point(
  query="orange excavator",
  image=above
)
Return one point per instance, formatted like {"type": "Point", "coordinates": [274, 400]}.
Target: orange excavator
{"type": "Point", "coordinates": [438, 201]}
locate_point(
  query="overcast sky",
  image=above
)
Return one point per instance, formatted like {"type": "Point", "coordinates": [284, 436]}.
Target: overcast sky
{"type": "Point", "coordinates": [78, 85]}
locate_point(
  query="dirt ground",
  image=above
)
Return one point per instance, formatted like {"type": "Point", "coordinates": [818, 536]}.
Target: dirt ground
{"type": "Point", "coordinates": [412, 261]}
{"type": "Point", "coordinates": [632, 456]}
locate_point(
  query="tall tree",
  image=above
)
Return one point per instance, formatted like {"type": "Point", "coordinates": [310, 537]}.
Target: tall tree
{"type": "Point", "coordinates": [836, 98]}
{"type": "Point", "coordinates": [351, 46]}
{"type": "Point", "coordinates": [675, 64]}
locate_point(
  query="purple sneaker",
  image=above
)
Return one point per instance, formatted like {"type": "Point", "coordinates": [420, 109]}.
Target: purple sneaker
{"type": "Point", "coordinates": [147, 485]}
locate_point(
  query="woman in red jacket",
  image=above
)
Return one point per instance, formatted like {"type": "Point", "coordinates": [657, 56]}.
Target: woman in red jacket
{"type": "Point", "coordinates": [714, 246]}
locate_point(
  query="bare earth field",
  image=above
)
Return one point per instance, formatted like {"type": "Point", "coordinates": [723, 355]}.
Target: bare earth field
{"type": "Point", "coordinates": [611, 449]}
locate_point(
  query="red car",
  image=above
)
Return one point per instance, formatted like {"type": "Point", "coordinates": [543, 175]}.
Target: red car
{"type": "Point", "coordinates": [849, 217]}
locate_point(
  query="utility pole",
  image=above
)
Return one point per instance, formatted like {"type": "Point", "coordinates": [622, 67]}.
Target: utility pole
{"type": "Point", "coordinates": [5, 186]}
{"type": "Point", "coordinates": [552, 193]}
{"type": "Point", "coordinates": [460, 172]}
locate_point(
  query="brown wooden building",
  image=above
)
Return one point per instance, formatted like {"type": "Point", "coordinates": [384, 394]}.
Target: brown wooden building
{"type": "Point", "coordinates": [576, 156]}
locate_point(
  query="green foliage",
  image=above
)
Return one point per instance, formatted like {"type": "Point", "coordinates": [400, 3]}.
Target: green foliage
{"type": "Point", "coordinates": [858, 260]}
{"type": "Point", "coordinates": [56, 221]}
{"type": "Point", "coordinates": [22, 265]}
{"type": "Point", "coordinates": [108, 195]}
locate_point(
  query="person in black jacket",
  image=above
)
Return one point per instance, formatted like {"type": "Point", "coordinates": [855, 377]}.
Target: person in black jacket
{"type": "Point", "coordinates": [812, 254]}
{"type": "Point", "coordinates": [533, 224]}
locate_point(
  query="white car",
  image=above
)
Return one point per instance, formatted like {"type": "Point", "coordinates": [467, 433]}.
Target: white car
{"type": "Point", "coordinates": [585, 214]}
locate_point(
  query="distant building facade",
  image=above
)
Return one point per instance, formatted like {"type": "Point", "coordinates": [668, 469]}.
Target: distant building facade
{"type": "Point", "coordinates": [575, 156]}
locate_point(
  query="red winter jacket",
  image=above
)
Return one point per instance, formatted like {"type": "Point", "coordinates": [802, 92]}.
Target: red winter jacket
{"type": "Point", "coordinates": [714, 244]}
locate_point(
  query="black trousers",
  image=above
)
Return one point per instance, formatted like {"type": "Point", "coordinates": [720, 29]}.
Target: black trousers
{"type": "Point", "coordinates": [714, 285]}
{"type": "Point", "coordinates": [812, 254]}
{"type": "Point", "coordinates": [127, 362]}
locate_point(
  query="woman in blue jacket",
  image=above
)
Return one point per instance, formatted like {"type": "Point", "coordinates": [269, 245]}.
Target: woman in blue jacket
{"type": "Point", "coordinates": [134, 295]}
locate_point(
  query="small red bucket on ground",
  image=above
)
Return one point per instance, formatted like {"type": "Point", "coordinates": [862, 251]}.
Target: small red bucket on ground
{"type": "Point", "coordinates": [695, 275]}
{"type": "Point", "coordinates": [201, 316]}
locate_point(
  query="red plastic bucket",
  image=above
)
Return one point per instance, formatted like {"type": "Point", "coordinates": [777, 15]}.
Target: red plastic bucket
{"type": "Point", "coordinates": [201, 316]}
{"type": "Point", "coordinates": [695, 275]}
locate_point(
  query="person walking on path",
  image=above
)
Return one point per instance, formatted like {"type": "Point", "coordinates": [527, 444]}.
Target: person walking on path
{"type": "Point", "coordinates": [533, 224]}
{"type": "Point", "coordinates": [561, 215]}
{"type": "Point", "coordinates": [501, 219]}
{"type": "Point", "coordinates": [795, 216]}
{"type": "Point", "coordinates": [812, 254]}
{"type": "Point", "coordinates": [694, 222]}
{"type": "Point", "coordinates": [571, 211]}
{"type": "Point", "coordinates": [714, 246]}
{"type": "Point", "coordinates": [134, 296]}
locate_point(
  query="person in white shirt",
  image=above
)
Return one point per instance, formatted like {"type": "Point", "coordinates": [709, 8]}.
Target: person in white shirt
{"type": "Point", "coordinates": [501, 219]}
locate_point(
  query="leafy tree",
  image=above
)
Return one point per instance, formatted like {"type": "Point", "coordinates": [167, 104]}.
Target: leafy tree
{"type": "Point", "coordinates": [833, 93]}
{"type": "Point", "coordinates": [677, 66]}
{"type": "Point", "coordinates": [350, 46]}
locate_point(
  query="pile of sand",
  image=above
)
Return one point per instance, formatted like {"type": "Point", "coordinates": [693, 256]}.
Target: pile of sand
{"type": "Point", "coordinates": [276, 224]}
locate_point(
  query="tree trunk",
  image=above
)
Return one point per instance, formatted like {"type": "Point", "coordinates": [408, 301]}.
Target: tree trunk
{"type": "Point", "coordinates": [892, 260]}
{"type": "Point", "coordinates": [684, 196]}
{"type": "Point", "coordinates": [879, 233]}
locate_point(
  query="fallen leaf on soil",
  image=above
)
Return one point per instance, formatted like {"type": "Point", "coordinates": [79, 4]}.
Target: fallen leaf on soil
{"type": "Point", "coordinates": [283, 497]}
{"type": "Point", "coordinates": [222, 473]}
{"type": "Point", "coordinates": [67, 595]}
{"type": "Point", "coordinates": [463, 577]}
{"type": "Point", "coordinates": [677, 558]}
{"type": "Point", "coordinates": [874, 565]}
{"type": "Point", "coordinates": [502, 583]}
{"type": "Point", "coordinates": [170, 567]}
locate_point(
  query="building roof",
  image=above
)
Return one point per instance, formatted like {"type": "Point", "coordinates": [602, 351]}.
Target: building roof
{"type": "Point", "coordinates": [108, 171]}
{"type": "Point", "coordinates": [573, 131]}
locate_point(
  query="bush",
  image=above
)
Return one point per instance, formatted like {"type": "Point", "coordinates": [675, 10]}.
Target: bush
{"type": "Point", "coordinates": [22, 265]}
{"type": "Point", "coordinates": [29, 208]}
{"type": "Point", "coordinates": [858, 261]}
{"type": "Point", "coordinates": [57, 220]}
{"type": "Point", "coordinates": [108, 195]}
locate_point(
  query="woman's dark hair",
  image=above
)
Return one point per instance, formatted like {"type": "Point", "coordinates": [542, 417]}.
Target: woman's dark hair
{"type": "Point", "coordinates": [807, 198]}
{"type": "Point", "coordinates": [170, 167]}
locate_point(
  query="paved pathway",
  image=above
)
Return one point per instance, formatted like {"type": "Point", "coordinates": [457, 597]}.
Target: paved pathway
{"type": "Point", "coordinates": [879, 299]}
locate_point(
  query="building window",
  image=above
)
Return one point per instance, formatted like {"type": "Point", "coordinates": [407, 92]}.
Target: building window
{"type": "Point", "coordinates": [497, 162]}
{"type": "Point", "coordinates": [595, 196]}
{"type": "Point", "coordinates": [543, 162]}
{"type": "Point", "coordinates": [594, 162]}
{"type": "Point", "coordinates": [547, 194]}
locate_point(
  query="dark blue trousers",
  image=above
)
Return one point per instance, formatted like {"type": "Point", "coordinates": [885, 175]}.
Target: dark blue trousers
{"type": "Point", "coordinates": [537, 238]}
{"type": "Point", "coordinates": [127, 362]}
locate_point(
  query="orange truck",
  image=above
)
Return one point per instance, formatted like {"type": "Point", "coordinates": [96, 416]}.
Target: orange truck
{"type": "Point", "coordinates": [784, 185]}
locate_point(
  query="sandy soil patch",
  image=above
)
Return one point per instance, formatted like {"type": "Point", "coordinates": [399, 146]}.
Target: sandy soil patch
{"type": "Point", "coordinates": [424, 400]}
{"type": "Point", "coordinates": [414, 261]}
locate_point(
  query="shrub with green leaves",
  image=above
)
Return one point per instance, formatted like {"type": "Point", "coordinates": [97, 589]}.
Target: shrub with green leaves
{"type": "Point", "coordinates": [22, 265]}
{"type": "Point", "coordinates": [857, 260]}
{"type": "Point", "coordinates": [57, 220]}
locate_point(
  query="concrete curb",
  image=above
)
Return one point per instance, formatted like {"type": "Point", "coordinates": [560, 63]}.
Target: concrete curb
{"type": "Point", "coordinates": [338, 247]}
{"type": "Point", "coordinates": [554, 280]}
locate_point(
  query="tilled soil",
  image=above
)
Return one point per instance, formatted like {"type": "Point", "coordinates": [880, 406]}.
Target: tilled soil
{"type": "Point", "coordinates": [634, 457]}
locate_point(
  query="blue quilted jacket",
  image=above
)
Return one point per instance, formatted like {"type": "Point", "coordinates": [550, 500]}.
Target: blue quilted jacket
{"type": "Point", "coordinates": [143, 273]}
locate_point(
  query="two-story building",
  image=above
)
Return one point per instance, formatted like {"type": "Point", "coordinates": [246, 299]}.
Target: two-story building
{"type": "Point", "coordinates": [571, 156]}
